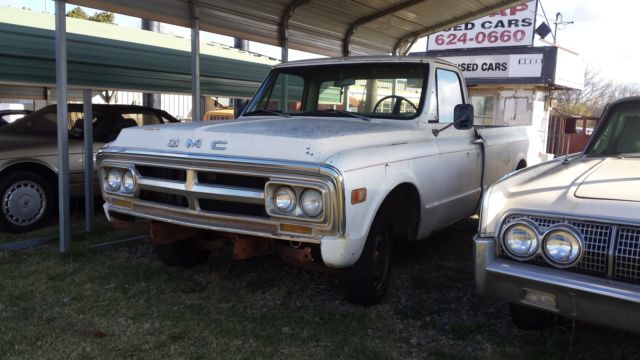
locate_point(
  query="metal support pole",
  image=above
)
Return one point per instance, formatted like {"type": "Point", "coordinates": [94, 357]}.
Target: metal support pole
{"type": "Point", "coordinates": [196, 113]}
{"type": "Point", "coordinates": [88, 159]}
{"type": "Point", "coordinates": [285, 93]}
{"type": "Point", "coordinates": [63, 133]}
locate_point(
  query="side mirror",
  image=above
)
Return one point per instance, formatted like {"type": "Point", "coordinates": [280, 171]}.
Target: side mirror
{"type": "Point", "coordinates": [463, 116]}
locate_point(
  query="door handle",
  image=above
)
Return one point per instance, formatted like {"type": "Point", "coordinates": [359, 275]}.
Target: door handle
{"type": "Point", "coordinates": [478, 141]}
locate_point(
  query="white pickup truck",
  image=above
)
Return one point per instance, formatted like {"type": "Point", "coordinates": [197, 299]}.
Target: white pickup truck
{"type": "Point", "coordinates": [362, 155]}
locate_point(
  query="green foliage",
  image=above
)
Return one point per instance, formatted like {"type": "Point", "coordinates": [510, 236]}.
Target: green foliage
{"type": "Point", "coordinates": [77, 13]}
{"type": "Point", "coordinates": [103, 17]}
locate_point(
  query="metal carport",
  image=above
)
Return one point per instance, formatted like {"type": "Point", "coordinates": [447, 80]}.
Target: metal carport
{"type": "Point", "coordinates": [330, 27]}
{"type": "Point", "coordinates": [103, 56]}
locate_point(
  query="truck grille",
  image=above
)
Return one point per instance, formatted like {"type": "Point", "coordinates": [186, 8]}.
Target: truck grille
{"type": "Point", "coordinates": [208, 191]}
{"type": "Point", "coordinates": [598, 244]}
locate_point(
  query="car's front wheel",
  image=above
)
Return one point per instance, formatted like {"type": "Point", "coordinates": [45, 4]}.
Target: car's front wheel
{"type": "Point", "coordinates": [367, 281]}
{"type": "Point", "coordinates": [27, 202]}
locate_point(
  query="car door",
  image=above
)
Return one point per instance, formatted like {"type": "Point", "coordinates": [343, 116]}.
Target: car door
{"type": "Point", "coordinates": [460, 162]}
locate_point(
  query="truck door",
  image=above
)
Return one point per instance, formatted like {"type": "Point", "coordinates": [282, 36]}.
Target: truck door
{"type": "Point", "coordinates": [460, 160]}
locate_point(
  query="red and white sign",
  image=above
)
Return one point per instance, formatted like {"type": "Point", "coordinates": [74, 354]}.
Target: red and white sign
{"type": "Point", "coordinates": [509, 27]}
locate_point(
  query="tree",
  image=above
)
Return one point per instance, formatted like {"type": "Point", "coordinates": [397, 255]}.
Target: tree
{"type": "Point", "coordinates": [103, 17]}
{"type": "Point", "coordinates": [77, 13]}
{"type": "Point", "coordinates": [596, 94]}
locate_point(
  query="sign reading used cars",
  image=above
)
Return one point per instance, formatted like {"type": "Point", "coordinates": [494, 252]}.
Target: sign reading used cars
{"type": "Point", "coordinates": [499, 66]}
{"type": "Point", "coordinates": [509, 27]}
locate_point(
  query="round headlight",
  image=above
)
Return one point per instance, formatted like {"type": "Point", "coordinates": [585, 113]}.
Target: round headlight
{"type": "Point", "coordinates": [311, 202]}
{"type": "Point", "coordinates": [285, 199]}
{"type": "Point", "coordinates": [562, 247]}
{"type": "Point", "coordinates": [128, 183]}
{"type": "Point", "coordinates": [114, 179]}
{"type": "Point", "coordinates": [520, 240]}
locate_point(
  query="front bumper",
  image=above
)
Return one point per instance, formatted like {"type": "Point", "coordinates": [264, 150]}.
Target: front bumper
{"type": "Point", "coordinates": [580, 297]}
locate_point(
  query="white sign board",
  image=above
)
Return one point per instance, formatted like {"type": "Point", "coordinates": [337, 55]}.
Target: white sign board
{"type": "Point", "coordinates": [499, 66]}
{"type": "Point", "coordinates": [509, 27]}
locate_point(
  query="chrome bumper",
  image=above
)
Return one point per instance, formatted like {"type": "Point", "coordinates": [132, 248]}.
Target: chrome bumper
{"type": "Point", "coordinates": [576, 296]}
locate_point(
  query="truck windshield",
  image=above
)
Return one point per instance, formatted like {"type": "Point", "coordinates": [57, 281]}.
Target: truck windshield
{"type": "Point", "coordinates": [379, 90]}
{"type": "Point", "coordinates": [619, 134]}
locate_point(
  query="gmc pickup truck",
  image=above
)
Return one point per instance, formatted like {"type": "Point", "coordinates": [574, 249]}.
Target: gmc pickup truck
{"type": "Point", "coordinates": [332, 164]}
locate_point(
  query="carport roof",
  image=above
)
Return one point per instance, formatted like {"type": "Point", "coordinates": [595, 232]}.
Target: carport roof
{"type": "Point", "coordinates": [319, 26]}
{"type": "Point", "coordinates": [103, 56]}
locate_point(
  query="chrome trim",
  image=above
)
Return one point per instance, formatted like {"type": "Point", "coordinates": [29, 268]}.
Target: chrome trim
{"type": "Point", "coordinates": [104, 173]}
{"type": "Point", "coordinates": [298, 188]}
{"type": "Point", "coordinates": [573, 231]}
{"type": "Point", "coordinates": [536, 230]}
{"type": "Point", "coordinates": [603, 220]}
{"type": "Point", "coordinates": [577, 282]}
{"type": "Point", "coordinates": [613, 242]}
{"type": "Point", "coordinates": [326, 175]}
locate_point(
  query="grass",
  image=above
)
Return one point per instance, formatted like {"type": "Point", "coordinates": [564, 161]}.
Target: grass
{"type": "Point", "coordinates": [121, 302]}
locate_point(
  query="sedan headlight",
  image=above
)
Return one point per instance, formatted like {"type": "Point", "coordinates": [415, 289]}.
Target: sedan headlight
{"type": "Point", "coordinates": [114, 179]}
{"type": "Point", "coordinates": [520, 240]}
{"type": "Point", "coordinates": [562, 246]}
{"type": "Point", "coordinates": [128, 182]}
{"type": "Point", "coordinates": [285, 199]}
{"type": "Point", "coordinates": [311, 202]}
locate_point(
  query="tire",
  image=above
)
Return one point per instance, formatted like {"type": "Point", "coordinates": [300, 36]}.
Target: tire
{"type": "Point", "coordinates": [181, 254]}
{"type": "Point", "coordinates": [27, 202]}
{"type": "Point", "coordinates": [366, 282]}
{"type": "Point", "coordinates": [529, 319]}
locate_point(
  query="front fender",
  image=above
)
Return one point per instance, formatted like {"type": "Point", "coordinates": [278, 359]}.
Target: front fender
{"type": "Point", "coordinates": [379, 181]}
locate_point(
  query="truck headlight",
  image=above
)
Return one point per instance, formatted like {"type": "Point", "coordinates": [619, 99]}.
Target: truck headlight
{"type": "Point", "coordinates": [562, 246]}
{"type": "Point", "coordinates": [311, 202]}
{"type": "Point", "coordinates": [128, 182]}
{"type": "Point", "coordinates": [114, 179]}
{"type": "Point", "coordinates": [285, 199]}
{"type": "Point", "coordinates": [520, 240]}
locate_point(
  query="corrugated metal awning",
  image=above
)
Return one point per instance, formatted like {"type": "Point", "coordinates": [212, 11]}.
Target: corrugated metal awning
{"type": "Point", "coordinates": [327, 27]}
{"type": "Point", "coordinates": [103, 56]}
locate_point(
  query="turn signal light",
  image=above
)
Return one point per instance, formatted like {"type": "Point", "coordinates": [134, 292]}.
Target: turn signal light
{"type": "Point", "coordinates": [358, 196]}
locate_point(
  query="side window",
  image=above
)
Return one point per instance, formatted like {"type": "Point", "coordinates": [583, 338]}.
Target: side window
{"type": "Point", "coordinates": [449, 94]}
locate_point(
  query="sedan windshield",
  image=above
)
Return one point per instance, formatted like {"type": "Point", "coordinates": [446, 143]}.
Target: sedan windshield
{"type": "Point", "coordinates": [345, 90]}
{"type": "Point", "coordinates": [620, 133]}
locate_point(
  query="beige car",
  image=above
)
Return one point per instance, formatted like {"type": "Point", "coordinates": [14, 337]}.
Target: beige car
{"type": "Point", "coordinates": [29, 160]}
{"type": "Point", "coordinates": [564, 237]}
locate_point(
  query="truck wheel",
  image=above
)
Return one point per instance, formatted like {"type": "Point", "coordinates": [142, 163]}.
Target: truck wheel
{"type": "Point", "coordinates": [27, 202]}
{"type": "Point", "coordinates": [366, 282]}
{"type": "Point", "coordinates": [529, 319]}
{"type": "Point", "coordinates": [181, 254]}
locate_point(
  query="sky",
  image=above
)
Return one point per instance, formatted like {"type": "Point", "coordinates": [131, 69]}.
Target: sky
{"type": "Point", "coordinates": [603, 33]}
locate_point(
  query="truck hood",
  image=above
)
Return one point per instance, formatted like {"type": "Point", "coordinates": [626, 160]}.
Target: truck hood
{"type": "Point", "coordinates": [310, 139]}
{"type": "Point", "coordinates": [582, 187]}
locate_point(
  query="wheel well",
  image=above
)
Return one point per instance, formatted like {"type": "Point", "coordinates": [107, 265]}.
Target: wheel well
{"type": "Point", "coordinates": [402, 211]}
{"type": "Point", "coordinates": [521, 165]}
{"type": "Point", "coordinates": [49, 175]}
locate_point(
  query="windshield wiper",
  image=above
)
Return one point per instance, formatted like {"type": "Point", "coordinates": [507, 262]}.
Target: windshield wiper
{"type": "Point", "coordinates": [264, 111]}
{"type": "Point", "coordinates": [342, 112]}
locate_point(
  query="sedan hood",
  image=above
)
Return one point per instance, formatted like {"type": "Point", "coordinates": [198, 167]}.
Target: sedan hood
{"type": "Point", "coordinates": [311, 139]}
{"type": "Point", "coordinates": [607, 189]}
{"type": "Point", "coordinates": [615, 179]}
